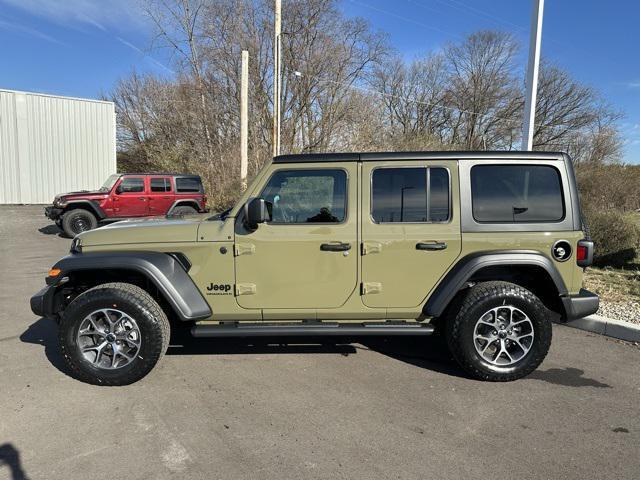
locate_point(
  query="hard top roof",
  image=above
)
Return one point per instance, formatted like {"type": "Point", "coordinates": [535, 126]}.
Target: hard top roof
{"type": "Point", "coordinates": [160, 174]}
{"type": "Point", "coordinates": [403, 156]}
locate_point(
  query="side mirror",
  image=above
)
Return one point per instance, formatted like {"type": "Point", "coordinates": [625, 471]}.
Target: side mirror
{"type": "Point", "coordinates": [256, 211]}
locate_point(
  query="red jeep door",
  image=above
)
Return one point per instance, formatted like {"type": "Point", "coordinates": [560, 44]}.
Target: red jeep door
{"type": "Point", "coordinates": [160, 195]}
{"type": "Point", "coordinates": [130, 198]}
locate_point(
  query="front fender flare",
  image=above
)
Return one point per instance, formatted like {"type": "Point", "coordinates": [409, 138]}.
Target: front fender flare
{"type": "Point", "coordinates": [163, 270]}
{"type": "Point", "coordinates": [90, 204]}
{"type": "Point", "coordinates": [457, 277]}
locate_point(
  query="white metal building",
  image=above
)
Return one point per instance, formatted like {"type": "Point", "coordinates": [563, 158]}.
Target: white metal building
{"type": "Point", "coordinates": [51, 144]}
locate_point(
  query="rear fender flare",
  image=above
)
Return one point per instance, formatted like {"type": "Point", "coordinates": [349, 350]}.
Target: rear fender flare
{"type": "Point", "coordinates": [184, 203]}
{"type": "Point", "coordinates": [161, 269]}
{"type": "Point", "coordinates": [456, 279]}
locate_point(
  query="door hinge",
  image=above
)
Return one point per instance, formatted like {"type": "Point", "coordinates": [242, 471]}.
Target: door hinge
{"type": "Point", "coordinates": [245, 289]}
{"type": "Point", "coordinates": [371, 247]}
{"type": "Point", "coordinates": [243, 249]}
{"type": "Point", "coordinates": [369, 288]}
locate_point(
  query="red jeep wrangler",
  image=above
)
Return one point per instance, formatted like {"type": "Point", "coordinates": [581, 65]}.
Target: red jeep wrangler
{"type": "Point", "coordinates": [130, 195]}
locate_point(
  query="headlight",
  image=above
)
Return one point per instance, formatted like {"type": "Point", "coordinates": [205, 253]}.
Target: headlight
{"type": "Point", "coordinates": [58, 202]}
{"type": "Point", "coordinates": [76, 246]}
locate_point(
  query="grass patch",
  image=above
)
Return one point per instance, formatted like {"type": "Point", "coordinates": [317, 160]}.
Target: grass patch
{"type": "Point", "coordinates": [614, 285]}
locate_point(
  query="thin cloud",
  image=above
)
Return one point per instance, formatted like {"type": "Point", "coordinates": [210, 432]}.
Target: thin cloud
{"type": "Point", "coordinates": [144, 54]}
{"type": "Point", "coordinates": [29, 31]}
{"type": "Point", "coordinates": [97, 13]}
{"type": "Point", "coordinates": [633, 84]}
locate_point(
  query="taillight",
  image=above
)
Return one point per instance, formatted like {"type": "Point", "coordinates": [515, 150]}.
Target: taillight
{"type": "Point", "coordinates": [584, 253]}
{"type": "Point", "coordinates": [581, 254]}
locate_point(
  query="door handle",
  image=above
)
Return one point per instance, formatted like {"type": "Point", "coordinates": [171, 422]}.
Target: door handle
{"type": "Point", "coordinates": [142, 198]}
{"type": "Point", "coordinates": [431, 246]}
{"type": "Point", "coordinates": [335, 247]}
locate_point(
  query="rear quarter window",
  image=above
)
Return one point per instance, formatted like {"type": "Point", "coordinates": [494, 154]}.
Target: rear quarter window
{"type": "Point", "coordinates": [516, 194]}
{"type": "Point", "coordinates": [188, 185]}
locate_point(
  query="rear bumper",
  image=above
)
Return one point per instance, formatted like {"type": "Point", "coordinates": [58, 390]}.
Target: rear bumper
{"type": "Point", "coordinates": [42, 302]}
{"type": "Point", "coordinates": [52, 212]}
{"type": "Point", "coordinates": [581, 305]}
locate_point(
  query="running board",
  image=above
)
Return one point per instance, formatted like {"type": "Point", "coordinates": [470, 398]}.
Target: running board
{"type": "Point", "coordinates": [315, 329]}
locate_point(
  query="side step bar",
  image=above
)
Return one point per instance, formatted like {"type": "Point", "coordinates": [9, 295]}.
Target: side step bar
{"type": "Point", "coordinates": [314, 329]}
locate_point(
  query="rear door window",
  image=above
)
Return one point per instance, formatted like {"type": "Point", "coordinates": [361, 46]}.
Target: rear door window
{"type": "Point", "coordinates": [516, 194]}
{"type": "Point", "coordinates": [410, 195]}
{"type": "Point", "coordinates": [159, 185]}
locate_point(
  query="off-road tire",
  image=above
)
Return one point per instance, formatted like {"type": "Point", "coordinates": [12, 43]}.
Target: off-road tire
{"type": "Point", "coordinates": [77, 221]}
{"type": "Point", "coordinates": [183, 210]}
{"type": "Point", "coordinates": [471, 305]}
{"type": "Point", "coordinates": [135, 302]}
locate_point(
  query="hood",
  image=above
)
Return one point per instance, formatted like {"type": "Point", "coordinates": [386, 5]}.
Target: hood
{"type": "Point", "coordinates": [81, 194]}
{"type": "Point", "coordinates": [148, 230]}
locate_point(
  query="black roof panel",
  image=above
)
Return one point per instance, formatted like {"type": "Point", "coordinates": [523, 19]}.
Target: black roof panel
{"type": "Point", "coordinates": [161, 173]}
{"type": "Point", "coordinates": [434, 155]}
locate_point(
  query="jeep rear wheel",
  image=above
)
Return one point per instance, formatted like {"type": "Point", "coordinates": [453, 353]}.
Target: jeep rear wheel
{"type": "Point", "coordinates": [78, 221]}
{"type": "Point", "coordinates": [499, 331]}
{"type": "Point", "coordinates": [113, 334]}
{"type": "Point", "coordinates": [183, 210]}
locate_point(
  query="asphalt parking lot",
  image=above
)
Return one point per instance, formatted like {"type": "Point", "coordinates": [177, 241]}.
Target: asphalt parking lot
{"type": "Point", "coordinates": [230, 410]}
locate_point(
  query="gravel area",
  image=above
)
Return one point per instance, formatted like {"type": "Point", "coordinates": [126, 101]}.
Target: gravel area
{"type": "Point", "coordinates": [627, 311]}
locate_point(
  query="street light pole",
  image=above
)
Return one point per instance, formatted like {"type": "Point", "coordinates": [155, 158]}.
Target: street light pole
{"type": "Point", "coordinates": [402, 190]}
{"type": "Point", "coordinates": [244, 121]}
{"type": "Point", "coordinates": [276, 76]}
{"type": "Point", "coordinates": [532, 75]}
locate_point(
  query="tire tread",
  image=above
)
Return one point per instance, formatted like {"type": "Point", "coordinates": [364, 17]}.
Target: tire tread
{"type": "Point", "coordinates": [483, 292]}
{"type": "Point", "coordinates": [126, 292]}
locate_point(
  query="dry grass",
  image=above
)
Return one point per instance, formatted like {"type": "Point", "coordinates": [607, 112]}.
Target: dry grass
{"type": "Point", "coordinates": [614, 285]}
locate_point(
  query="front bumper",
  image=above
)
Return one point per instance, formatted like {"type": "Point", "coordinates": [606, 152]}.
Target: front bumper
{"type": "Point", "coordinates": [53, 212]}
{"type": "Point", "coordinates": [581, 305]}
{"type": "Point", "coordinates": [42, 303]}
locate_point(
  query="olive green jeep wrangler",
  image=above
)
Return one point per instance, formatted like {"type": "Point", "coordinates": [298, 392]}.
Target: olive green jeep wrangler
{"type": "Point", "coordinates": [487, 247]}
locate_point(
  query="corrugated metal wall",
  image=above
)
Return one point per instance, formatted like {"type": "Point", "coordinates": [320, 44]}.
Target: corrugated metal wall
{"type": "Point", "coordinates": [51, 145]}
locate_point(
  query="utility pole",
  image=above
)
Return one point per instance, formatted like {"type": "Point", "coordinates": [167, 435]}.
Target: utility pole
{"type": "Point", "coordinates": [244, 119]}
{"type": "Point", "coordinates": [532, 75]}
{"type": "Point", "coordinates": [276, 76]}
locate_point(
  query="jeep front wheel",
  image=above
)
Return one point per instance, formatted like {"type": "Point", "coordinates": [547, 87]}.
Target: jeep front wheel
{"type": "Point", "coordinates": [499, 331]}
{"type": "Point", "coordinates": [113, 334]}
{"type": "Point", "coordinates": [78, 221]}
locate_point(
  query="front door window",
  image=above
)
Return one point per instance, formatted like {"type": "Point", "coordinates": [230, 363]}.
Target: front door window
{"type": "Point", "coordinates": [307, 196]}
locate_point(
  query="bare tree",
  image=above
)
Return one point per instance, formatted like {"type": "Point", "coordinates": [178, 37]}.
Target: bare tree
{"type": "Point", "coordinates": [572, 117]}
{"type": "Point", "coordinates": [482, 88]}
{"type": "Point", "coordinates": [343, 89]}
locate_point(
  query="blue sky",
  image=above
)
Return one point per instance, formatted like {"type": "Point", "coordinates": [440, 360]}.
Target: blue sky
{"type": "Point", "coordinates": [81, 47]}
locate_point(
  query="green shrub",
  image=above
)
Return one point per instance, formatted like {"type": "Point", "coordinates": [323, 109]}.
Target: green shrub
{"type": "Point", "coordinates": [616, 237]}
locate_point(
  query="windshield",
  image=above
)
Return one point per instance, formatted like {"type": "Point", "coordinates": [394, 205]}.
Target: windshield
{"type": "Point", "coordinates": [109, 182]}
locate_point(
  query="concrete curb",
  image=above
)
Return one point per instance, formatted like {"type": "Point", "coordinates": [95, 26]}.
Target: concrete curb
{"type": "Point", "coordinates": [608, 327]}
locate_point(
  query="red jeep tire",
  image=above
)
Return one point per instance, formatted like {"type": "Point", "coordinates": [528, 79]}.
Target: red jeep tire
{"type": "Point", "coordinates": [78, 221]}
